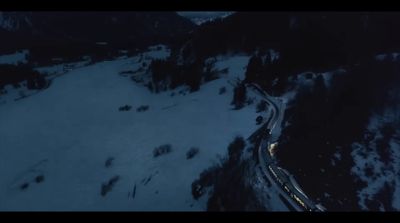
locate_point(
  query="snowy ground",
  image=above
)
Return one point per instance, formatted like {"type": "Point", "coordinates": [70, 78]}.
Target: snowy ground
{"type": "Point", "coordinates": [14, 58]}
{"type": "Point", "coordinates": [10, 94]}
{"type": "Point", "coordinates": [372, 168]}
{"type": "Point", "coordinates": [68, 131]}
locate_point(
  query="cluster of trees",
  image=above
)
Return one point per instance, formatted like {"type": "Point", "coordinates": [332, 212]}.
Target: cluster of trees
{"type": "Point", "coordinates": [108, 186]}
{"type": "Point", "coordinates": [162, 150]}
{"type": "Point", "coordinates": [193, 151]}
{"type": "Point", "coordinates": [36, 82]}
{"type": "Point", "coordinates": [271, 74]}
{"type": "Point", "coordinates": [69, 52]}
{"type": "Point", "coordinates": [66, 34]}
{"type": "Point", "coordinates": [167, 74]}
{"type": "Point", "coordinates": [261, 106]}
{"type": "Point", "coordinates": [262, 70]}
{"type": "Point", "coordinates": [142, 108]}
{"type": "Point", "coordinates": [125, 108]}
{"type": "Point", "coordinates": [306, 40]}
{"type": "Point", "coordinates": [231, 190]}
{"type": "Point", "coordinates": [14, 75]}
{"type": "Point", "coordinates": [239, 96]}
{"type": "Point", "coordinates": [274, 74]}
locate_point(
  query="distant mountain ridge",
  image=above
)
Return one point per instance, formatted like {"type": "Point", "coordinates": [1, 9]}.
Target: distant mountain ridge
{"type": "Point", "coordinates": [24, 29]}
{"type": "Point", "coordinates": [202, 17]}
{"type": "Point", "coordinates": [332, 36]}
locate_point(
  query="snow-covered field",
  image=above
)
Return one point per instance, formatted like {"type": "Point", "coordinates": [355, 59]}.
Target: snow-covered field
{"type": "Point", "coordinates": [14, 58]}
{"type": "Point", "coordinates": [67, 132]}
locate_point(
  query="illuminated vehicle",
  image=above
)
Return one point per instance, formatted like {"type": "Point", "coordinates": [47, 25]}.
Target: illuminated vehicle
{"type": "Point", "coordinates": [272, 148]}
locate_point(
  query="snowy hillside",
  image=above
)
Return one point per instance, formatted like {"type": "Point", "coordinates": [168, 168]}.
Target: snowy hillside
{"type": "Point", "coordinates": [15, 58]}
{"type": "Point", "coordinates": [72, 147]}
{"type": "Point", "coordinates": [199, 18]}
{"type": "Point", "coordinates": [377, 163]}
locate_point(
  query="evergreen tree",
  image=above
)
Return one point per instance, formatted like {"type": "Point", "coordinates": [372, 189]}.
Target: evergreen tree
{"type": "Point", "coordinates": [254, 69]}
{"type": "Point", "coordinates": [239, 96]}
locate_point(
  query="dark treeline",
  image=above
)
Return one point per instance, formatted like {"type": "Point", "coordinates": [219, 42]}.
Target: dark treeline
{"type": "Point", "coordinates": [67, 52]}
{"type": "Point", "coordinates": [230, 190]}
{"type": "Point", "coordinates": [12, 74]}
{"type": "Point", "coordinates": [166, 74]}
{"type": "Point", "coordinates": [325, 120]}
{"type": "Point", "coordinates": [316, 39]}
{"type": "Point", "coordinates": [137, 28]}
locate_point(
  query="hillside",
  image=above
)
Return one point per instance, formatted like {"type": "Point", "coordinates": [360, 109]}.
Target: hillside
{"type": "Point", "coordinates": [76, 136]}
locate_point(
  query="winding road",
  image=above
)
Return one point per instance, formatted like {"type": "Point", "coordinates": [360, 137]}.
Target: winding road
{"type": "Point", "coordinates": [277, 177]}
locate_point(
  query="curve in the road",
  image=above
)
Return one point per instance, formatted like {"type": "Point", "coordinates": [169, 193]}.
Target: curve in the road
{"type": "Point", "coordinates": [281, 179]}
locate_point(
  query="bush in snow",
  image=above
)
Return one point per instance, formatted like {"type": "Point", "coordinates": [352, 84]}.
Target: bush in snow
{"type": "Point", "coordinates": [161, 150]}
{"type": "Point", "coordinates": [259, 119]}
{"type": "Point", "coordinates": [125, 108]}
{"type": "Point", "coordinates": [109, 162]}
{"type": "Point", "coordinates": [249, 101]}
{"type": "Point", "coordinates": [222, 90]}
{"type": "Point", "coordinates": [142, 108]}
{"type": "Point", "coordinates": [192, 152]}
{"type": "Point", "coordinates": [261, 106]}
{"type": "Point", "coordinates": [107, 187]}
{"type": "Point", "coordinates": [39, 179]}
{"type": "Point", "coordinates": [24, 186]}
